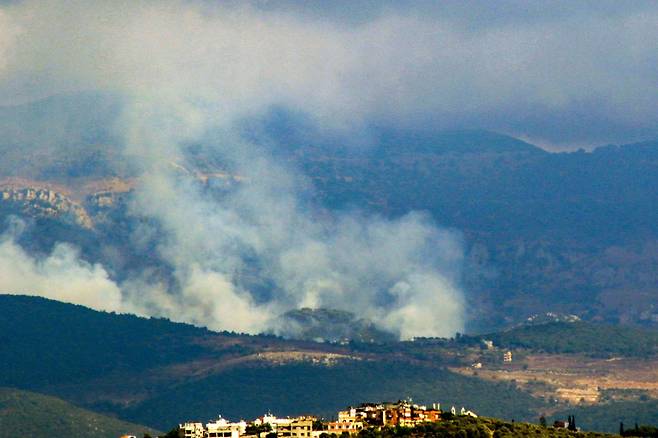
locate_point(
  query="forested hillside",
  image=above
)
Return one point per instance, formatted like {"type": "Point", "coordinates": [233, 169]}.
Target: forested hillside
{"type": "Point", "coordinates": [155, 372]}
{"type": "Point", "coordinates": [570, 232]}
{"type": "Point", "coordinates": [29, 415]}
{"type": "Point", "coordinates": [580, 337]}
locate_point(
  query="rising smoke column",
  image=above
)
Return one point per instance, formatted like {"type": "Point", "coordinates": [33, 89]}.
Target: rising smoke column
{"type": "Point", "coordinates": [399, 273]}
{"type": "Point", "coordinates": [184, 71]}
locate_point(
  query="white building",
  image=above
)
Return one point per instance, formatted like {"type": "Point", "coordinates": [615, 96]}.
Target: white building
{"type": "Point", "coordinates": [464, 412]}
{"type": "Point", "coordinates": [301, 427]}
{"type": "Point", "coordinates": [222, 428]}
{"type": "Point", "coordinates": [347, 416]}
{"type": "Point", "coordinates": [191, 430]}
{"type": "Point", "coordinates": [273, 421]}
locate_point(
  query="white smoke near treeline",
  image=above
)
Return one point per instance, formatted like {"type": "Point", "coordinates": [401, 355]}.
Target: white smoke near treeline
{"type": "Point", "coordinates": [61, 275]}
{"type": "Point", "coordinates": [184, 69]}
{"type": "Point", "coordinates": [183, 73]}
{"type": "Point", "coordinates": [402, 274]}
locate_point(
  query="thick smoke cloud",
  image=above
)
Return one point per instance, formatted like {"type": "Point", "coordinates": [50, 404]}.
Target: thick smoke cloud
{"type": "Point", "coordinates": [184, 70]}
{"type": "Point", "coordinates": [61, 275]}
{"type": "Point", "coordinates": [401, 273]}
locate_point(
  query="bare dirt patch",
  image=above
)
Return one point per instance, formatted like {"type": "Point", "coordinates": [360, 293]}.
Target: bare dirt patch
{"type": "Point", "coordinates": [575, 378]}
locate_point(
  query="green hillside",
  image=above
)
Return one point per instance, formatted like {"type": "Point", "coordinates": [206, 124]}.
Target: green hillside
{"type": "Point", "coordinates": [53, 342]}
{"type": "Point", "coordinates": [467, 427]}
{"type": "Point", "coordinates": [306, 388]}
{"type": "Point", "coordinates": [26, 414]}
{"type": "Point", "coordinates": [606, 417]}
{"type": "Point", "coordinates": [580, 337]}
{"type": "Point", "coordinates": [159, 373]}
{"type": "Point", "coordinates": [156, 372]}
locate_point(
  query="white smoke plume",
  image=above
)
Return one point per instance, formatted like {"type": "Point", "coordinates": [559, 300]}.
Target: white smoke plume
{"type": "Point", "coordinates": [401, 273]}
{"type": "Point", "coordinates": [61, 275]}
{"type": "Point", "coordinates": [185, 69]}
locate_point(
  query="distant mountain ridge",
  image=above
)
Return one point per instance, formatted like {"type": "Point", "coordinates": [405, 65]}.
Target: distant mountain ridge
{"type": "Point", "coordinates": [573, 232]}
{"type": "Point", "coordinates": [451, 141]}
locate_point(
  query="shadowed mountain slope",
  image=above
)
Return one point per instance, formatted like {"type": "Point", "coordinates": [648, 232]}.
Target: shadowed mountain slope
{"type": "Point", "coordinates": [156, 372]}
{"type": "Point", "coordinates": [31, 415]}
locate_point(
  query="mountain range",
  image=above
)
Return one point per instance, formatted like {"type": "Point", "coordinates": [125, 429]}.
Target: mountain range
{"type": "Point", "coordinates": [570, 232]}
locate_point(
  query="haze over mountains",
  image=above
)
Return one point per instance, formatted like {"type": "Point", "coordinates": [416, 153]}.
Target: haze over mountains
{"type": "Point", "coordinates": [530, 231]}
{"type": "Point", "coordinates": [293, 206]}
{"type": "Point", "coordinates": [224, 164]}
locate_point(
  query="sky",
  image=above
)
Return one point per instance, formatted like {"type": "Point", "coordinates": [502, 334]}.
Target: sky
{"type": "Point", "coordinates": [563, 73]}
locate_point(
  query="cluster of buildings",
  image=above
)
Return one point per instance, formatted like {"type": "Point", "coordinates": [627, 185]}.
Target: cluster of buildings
{"type": "Point", "coordinates": [348, 422]}
{"type": "Point", "coordinates": [489, 345]}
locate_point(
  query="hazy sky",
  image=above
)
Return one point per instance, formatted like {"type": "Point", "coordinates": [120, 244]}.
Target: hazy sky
{"type": "Point", "coordinates": [562, 72]}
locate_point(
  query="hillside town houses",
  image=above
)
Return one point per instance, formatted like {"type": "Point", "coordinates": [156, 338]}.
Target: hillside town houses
{"type": "Point", "coordinates": [348, 422]}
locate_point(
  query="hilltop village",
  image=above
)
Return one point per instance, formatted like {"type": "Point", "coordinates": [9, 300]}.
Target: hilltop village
{"type": "Point", "coordinates": [348, 422]}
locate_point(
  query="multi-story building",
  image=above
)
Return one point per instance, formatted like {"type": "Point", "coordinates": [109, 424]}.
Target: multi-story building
{"type": "Point", "coordinates": [402, 413]}
{"type": "Point", "coordinates": [370, 413]}
{"type": "Point", "coordinates": [296, 428]}
{"type": "Point", "coordinates": [221, 428]}
{"type": "Point", "coordinates": [339, 427]}
{"type": "Point", "coordinates": [191, 430]}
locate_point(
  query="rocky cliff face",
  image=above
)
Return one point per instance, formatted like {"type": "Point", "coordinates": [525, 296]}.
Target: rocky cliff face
{"type": "Point", "coordinates": [44, 202]}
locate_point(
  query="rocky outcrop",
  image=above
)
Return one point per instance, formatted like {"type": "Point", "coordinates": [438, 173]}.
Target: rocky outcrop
{"type": "Point", "coordinates": [105, 199]}
{"type": "Point", "coordinates": [43, 202]}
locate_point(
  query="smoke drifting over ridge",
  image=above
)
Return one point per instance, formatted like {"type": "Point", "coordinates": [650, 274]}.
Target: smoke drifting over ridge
{"type": "Point", "coordinates": [401, 273]}
{"type": "Point", "coordinates": [184, 69]}
{"type": "Point", "coordinates": [60, 276]}
{"type": "Point", "coordinates": [183, 73]}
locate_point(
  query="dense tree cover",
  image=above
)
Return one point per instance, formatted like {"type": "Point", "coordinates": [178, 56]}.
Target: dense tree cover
{"type": "Point", "coordinates": [51, 342]}
{"type": "Point", "coordinates": [495, 184]}
{"type": "Point", "coordinates": [31, 415]}
{"type": "Point", "coordinates": [607, 417]}
{"type": "Point", "coordinates": [467, 427]}
{"type": "Point", "coordinates": [641, 431]}
{"type": "Point", "coordinates": [331, 325]}
{"type": "Point", "coordinates": [580, 337]}
{"type": "Point", "coordinates": [305, 388]}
